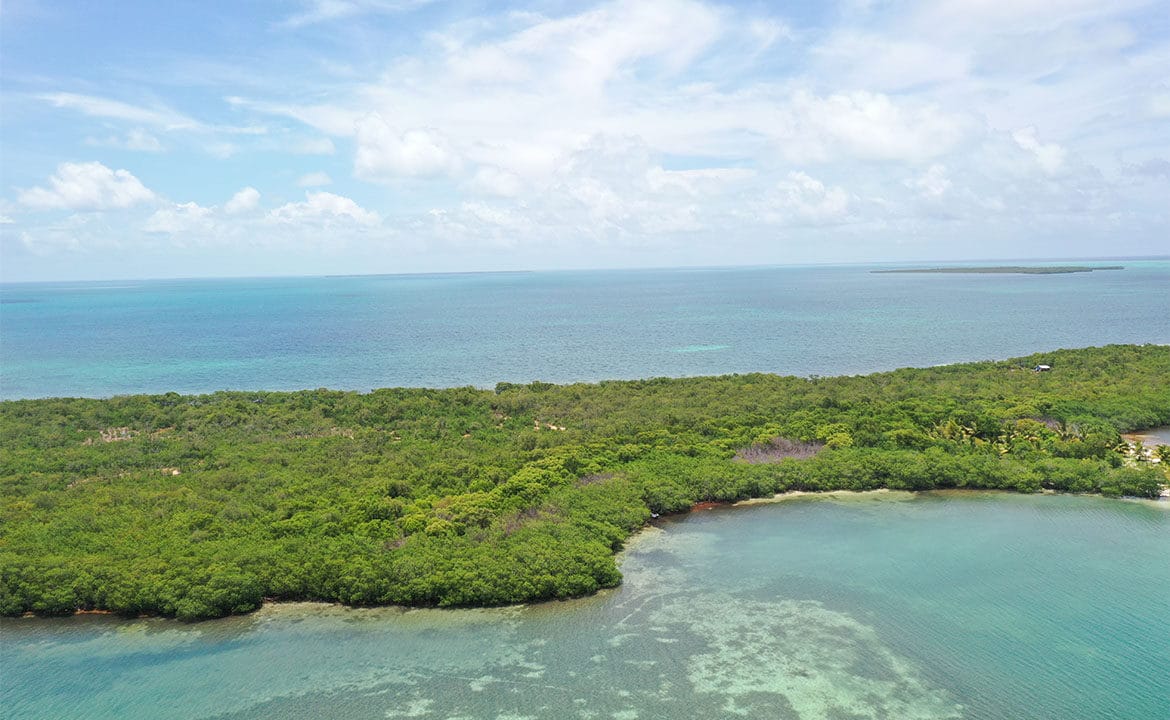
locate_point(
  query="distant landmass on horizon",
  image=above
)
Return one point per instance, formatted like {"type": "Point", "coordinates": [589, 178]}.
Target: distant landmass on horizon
{"type": "Point", "coordinates": [1007, 270]}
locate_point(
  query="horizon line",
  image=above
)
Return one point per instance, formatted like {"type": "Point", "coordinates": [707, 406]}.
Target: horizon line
{"type": "Point", "coordinates": [431, 273]}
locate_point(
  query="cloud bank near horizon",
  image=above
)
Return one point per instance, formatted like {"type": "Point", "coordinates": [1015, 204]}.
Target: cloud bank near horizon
{"type": "Point", "coordinates": [583, 135]}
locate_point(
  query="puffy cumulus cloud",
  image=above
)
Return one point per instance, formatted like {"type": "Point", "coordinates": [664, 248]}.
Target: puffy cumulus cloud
{"type": "Point", "coordinates": [931, 184]}
{"type": "Point", "coordinates": [517, 92]}
{"type": "Point", "coordinates": [613, 186]}
{"type": "Point", "coordinates": [179, 218]}
{"type": "Point", "coordinates": [491, 180]}
{"type": "Point", "coordinates": [476, 223]}
{"type": "Point", "coordinates": [323, 207]}
{"type": "Point", "coordinates": [801, 199]}
{"type": "Point", "coordinates": [870, 126]}
{"type": "Point", "coordinates": [87, 186]}
{"type": "Point", "coordinates": [49, 241]}
{"type": "Point", "coordinates": [77, 234]}
{"type": "Point", "coordinates": [383, 152]}
{"type": "Point", "coordinates": [692, 125]}
{"type": "Point", "coordinates": [610, 189]}
{"type": "Point", "coordinates": [701, 182]}
{"type": "Point", "coordinates": [500, 105]}
{"type": "Point", "coordinates": [190, 230]}
{"type": "Point", "coordinates": [1049, 156]}
{"type": "Point", "coordinates": [244, 200]}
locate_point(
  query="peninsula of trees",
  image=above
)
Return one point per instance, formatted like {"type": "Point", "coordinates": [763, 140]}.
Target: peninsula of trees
{"type": "Point", "coordinates": [202, 506]}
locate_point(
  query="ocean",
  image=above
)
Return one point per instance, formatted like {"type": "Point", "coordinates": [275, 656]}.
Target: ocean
{"type": "Point", "coordinates": [358, 333]}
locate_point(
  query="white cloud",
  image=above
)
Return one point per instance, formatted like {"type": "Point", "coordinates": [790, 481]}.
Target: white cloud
{"type": "Point", "coordinates": [384, 152]}
{"type": "Point", "coordinates": [321, 11]}
{"type": "Point", "coordinates": [316, 179]}
{"type": "Point", "coordinates": [506, 226]}
{"type": "Point", "coordinates": [617, 126]}
{"type": "Point", "coordinates": [1159, 104]}
{"type": "Point", "coordinates": [877, 62]}
{"type": "Point", "coordinates": [1049, 156]}
{"type": "Point", "coordinates": [491, 180]}
{"type": "Point", "coordinates": [699, 183]}
{"type": "Point", "coordinates": [1154, 168]}
{"type": "Point", "coordinates": [221, 150]}
{"type": "Point", "coordinates": [933, 183]}
{"type": "Point", "coordinates": [767, 31]}
{"type": "Point", "coordinates": [581, 53]}
{"type": "Point", "coordinates": [807, 199]}
{"type": "Point", "coordinates": [75, 233]}
{"type": "Point", "coordinates": [323, 207]}
{"type": "Point", "coordinates": [332, 119]}
{"type": "Point", "coordinates": [314, 146]}
{"type": "Point", "coordinates": [244, 200]}
{"type": "Point", "coordinates": [5, 220]}
{"type": "Point", "coordinates": [87, 186]}
{"type": "Point", "coordinates": [163, 118]}
{"type": "Point", "coordinates": [137, 139]}
{"type": "Point", "coordinates": [177, 218]}
{"type": "Point", "coordinates": [1020, 16]}
{"type": "Point", "coordinates": [870, 126]}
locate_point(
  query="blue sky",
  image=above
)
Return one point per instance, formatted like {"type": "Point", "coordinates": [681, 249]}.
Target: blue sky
{"type": "Point", "coordinates": [361, 136]}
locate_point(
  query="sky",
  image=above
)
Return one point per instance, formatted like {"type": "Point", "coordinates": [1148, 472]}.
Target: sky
{"type": "Point", "coordinates": [308, 137]}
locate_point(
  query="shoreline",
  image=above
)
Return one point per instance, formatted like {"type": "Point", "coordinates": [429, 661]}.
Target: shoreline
{"type": "Point", "coordinates": [802, 494]}
{"type": "Point", "coordinates": [490, 385]}
{"type": "Point", "coordinates": [654, 526]}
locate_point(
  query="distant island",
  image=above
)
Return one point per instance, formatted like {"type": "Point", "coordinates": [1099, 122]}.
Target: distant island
{"type": "Point", "coordinates": [1008, 269]}
{"type": "Point", "coordinates": [206, 505]}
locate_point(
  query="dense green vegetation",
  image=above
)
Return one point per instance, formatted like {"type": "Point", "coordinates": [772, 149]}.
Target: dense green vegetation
{"type": "Point", "coordinates": [203, 506]}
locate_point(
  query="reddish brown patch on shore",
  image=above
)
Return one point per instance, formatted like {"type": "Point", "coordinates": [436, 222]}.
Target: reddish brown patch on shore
{"type": "Point", "coordinates": [706, 505]}
{"type": "Point", "coordinates": [777, 449]}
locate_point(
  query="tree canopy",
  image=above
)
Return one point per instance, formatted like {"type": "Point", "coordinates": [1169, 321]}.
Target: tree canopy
{"type": "Point", "coordinates": [203, 506]}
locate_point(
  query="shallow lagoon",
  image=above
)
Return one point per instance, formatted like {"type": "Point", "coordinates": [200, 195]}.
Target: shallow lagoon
{"type": "Point", "coordinates": [871, 606]}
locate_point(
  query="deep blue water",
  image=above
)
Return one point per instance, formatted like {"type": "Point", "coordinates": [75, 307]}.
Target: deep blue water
{"type": "Point", "coordinates": [358, 333]}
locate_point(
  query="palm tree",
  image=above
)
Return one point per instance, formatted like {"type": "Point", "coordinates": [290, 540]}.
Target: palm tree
{"type": "Point", "coordinates": [1162, 452]}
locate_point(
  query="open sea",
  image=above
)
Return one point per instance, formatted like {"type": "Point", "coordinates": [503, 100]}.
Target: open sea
{"type": "Point", "coordinates": [842, 607]}
{"type": "Point", "coordinates": [360, 333]}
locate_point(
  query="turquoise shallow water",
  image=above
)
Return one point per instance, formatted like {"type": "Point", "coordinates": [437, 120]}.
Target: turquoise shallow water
{"type": "Point", "coordinates": [880, 606]}
{"type": "Point", "coordinates": [358, 333]}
